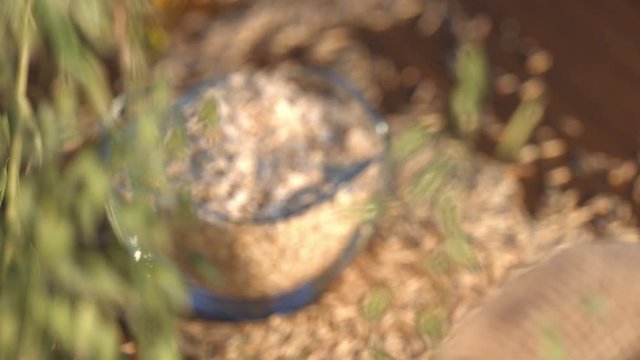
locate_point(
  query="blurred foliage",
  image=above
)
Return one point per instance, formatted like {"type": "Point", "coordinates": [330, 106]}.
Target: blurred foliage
{"type": "Point", "coordinates": [205, 269]}
{"type": "Point", "coordinates": [431, 324]}
{"type": "Point", "coordinates": [376, 303]}
{"type": "Point", "coordinates": [471, 71]}
{"type": "Point", "coordinates": [443, 182]}
{"type": "Point", "coordinates": [521, 125]}
{"type": "Point", "coordinates": [553, 346]}
{"type": "Point", "coordinates": [470, 90]}
{"type": "Point", "coordinates": [68, 274]}
{"type": "Point", "coordinates": [377, 352]}
{"type": "Point", "coordinates": [415, 138]}
{"type": "Point", "coordinates": [207, 113]}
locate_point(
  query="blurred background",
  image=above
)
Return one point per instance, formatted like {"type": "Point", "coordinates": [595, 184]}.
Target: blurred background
{"type": "Point", "coordinates": [513, 132]}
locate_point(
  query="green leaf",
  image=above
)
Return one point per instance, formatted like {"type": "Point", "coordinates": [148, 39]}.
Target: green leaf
{"type": "Point", "coordinates": [208, 271]}
{"type": "Point", "coordinates": [3, 182]}
{"type": "Point", "coordinates": [431, 324]}
{"type": "Point", "coordinates": [457, 243]}
{"type": "Point", "coordinates": [430, 182]}
{"type": "Point", "coordinates": [75, 60]}
{"type": "Point", "coordinates": [410, 141]}
{"type": "Point", "coordinates": [89, 183]}
{"type": "Point", "coordinates": [175, 139]}
{"type": "Point", "coordinates": [65, 103]}
{"type": "Point", "coordinates": [9, 328]}
{"type": "Point", "coordinates": [61, 314]}
{"type": "Point", "coordinates": [439, 264]}
{"type": "Point", "coordinates": [378, 352]}
{"type": "Point", "coordinates": [459, 249]}
{"type": "Point", "coordinates": [107, 344]}
{"type": "Point", "coordinates": [105, 285]}
{"type": "Point", "coordinates": [208, 113]}
{"type": "Point", "coordinates": [93, 20]}
{"type": "Point", "coordinates": [519, 128]}
{"type": "Point", "coordinates": [7, 65]}
{"type": "Point", "coordinates": [470, 90]}
{"type": "Point", "coordinates": [376, 304]}
{"type": "Point", "coordinates": [50, 133]}
{"type": "Point", "coordinates": [53, 236]}
{"type": "Point", "coordinates": [5, 133]}
{"type": "Point", "coordinates": [86, 328]}
{"type": "Point", "coordinates": [553, 345]}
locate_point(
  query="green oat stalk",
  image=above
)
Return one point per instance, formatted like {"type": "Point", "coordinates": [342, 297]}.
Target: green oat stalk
{"type": "Point", "coordinates": [468, 95]}
{"type": "Point", "coordinates": [65, 280]}
{"type": "Point", "coordinates": [520, 127]}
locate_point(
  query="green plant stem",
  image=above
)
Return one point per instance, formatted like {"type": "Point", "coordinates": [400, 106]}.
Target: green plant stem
{"type": "Point", "coordinates": [15, 152]}
{"type": "Point", "coordinates": [21, 104]}
{"type": "Point", "coordinates": [519, 128]}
